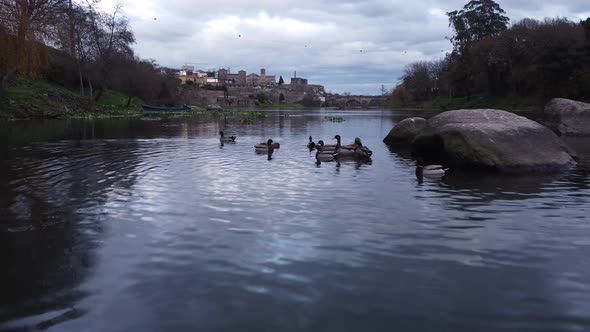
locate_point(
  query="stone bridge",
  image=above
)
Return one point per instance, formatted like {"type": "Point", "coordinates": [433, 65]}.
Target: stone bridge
{"type": "Point", "coordinates": [344, 102]}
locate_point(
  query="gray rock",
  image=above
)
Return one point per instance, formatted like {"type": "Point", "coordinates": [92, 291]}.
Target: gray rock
{"type": "Point", "coordinates": [492, 140]}
{"type": "Point", "coordinates": [567, 117]}
{"type": "Point", "coordinates": [405, 131]}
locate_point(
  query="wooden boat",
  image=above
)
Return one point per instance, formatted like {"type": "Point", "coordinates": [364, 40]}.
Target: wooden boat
{"type": "Point", "coordinates": [165, 109]}
{"type": "Point", "coordinates": [214, 108]}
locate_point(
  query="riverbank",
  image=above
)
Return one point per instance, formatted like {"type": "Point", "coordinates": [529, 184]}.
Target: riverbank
{"type": "Point", "coordinates": [36, 99]}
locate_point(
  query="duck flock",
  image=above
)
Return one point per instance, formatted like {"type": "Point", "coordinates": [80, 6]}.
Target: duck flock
{"type": "Point", "coordinates": [336, 152]}
{"type": "Point", "coordinates": [324, 152]}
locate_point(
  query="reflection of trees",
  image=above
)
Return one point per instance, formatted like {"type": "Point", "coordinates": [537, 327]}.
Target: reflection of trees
{"type": "Point", "coordinates": [49, 225]}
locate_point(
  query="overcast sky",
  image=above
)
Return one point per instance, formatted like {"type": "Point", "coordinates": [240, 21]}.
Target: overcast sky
{"type": "Point", "coordinates": [347, 45]}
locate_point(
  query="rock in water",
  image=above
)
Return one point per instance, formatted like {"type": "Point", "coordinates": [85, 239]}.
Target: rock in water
{"type": "Point", "coordinates": [567, 117]}
{"type": "Point", "coordinates": [405, 131]}
{"type": "Point", "coordinates": [493, 140]}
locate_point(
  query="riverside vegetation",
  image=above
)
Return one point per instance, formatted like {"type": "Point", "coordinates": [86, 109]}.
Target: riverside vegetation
{"type": "Point", "coordinates": [495, 65]}
{"type": "Point", "coordinates": [64, 58]}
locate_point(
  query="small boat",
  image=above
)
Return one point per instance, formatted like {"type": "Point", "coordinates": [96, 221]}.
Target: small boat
{"type": "Point", "coordinates": [165, 109]}
{"type": "Point", "coordinates": [214, 108]}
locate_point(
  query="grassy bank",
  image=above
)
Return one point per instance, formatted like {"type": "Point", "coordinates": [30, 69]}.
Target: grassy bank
{"type": "Point", "coordinates": [35, 99]}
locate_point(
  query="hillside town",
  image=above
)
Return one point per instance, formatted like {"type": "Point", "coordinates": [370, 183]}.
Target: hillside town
{"type": "Point", "coordinates": [224, 88]}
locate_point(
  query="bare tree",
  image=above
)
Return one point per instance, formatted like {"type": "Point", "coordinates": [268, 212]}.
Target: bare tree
{"type": "Point", "coordinates": [29, 21]}
{"type": "Point", "coordinates": [111, 38]}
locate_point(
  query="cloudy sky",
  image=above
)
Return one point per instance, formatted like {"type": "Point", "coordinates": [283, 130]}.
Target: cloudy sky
{"type": "Point", "coordinates": [347, 45]}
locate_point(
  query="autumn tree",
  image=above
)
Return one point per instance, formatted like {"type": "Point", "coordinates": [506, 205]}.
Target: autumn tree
{"type": "Point", "coordinates": [400, 95]}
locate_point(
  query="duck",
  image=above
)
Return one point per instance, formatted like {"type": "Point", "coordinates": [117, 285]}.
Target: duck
{"type": "Point", "coordinates": [339, 145]}
{"type": "Point", "coordinates": [266, 148]}
{"type": "Point", "coordinates": [264, 145]}
{"type": "Point", "coordinates": [358, 144]}
{"type": "Point", "coordinates": [223, 139]}
{"type": "Point", "coordinates": [320, 146]}
{"type": "Point", "coordinates": [355, 150]}
{"type": "Point", "coordinates": [434, 171]}
{"type": "Point", "coordinates": [311, 145]}
{"type": "Point", "coordinates": [325, 149]}
{"type": "Point", "coordinates": [325, 157]}
{"type": "Point", "coordinates": [338, 141]}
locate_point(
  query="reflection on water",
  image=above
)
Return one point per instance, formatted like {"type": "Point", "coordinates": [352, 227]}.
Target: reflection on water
{"type": "Point", "coordinates": [126, 225]}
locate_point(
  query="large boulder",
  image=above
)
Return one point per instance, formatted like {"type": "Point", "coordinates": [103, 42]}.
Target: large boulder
{"type": "Point", "coordinates": [405, 131]}
{"type": "Point", "coordinates": [492, 140]}
{"type": "Point", "coordinates": [567, 117]}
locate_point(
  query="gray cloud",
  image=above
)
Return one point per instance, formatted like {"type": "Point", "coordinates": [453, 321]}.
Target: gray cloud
{"type": "Point", "coordinates": [352, 45]}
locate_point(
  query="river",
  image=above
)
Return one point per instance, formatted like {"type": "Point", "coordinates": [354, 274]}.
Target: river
{"type": "Point", "coordinates": [151, 225]}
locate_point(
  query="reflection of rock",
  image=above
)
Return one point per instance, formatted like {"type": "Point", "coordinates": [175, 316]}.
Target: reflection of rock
{"type": "Point", "coordinates": [486, 188]}
{"type": "Point", "coordinates": [405, 131]}
{"type": "Point", "coordinates": [580, 146]}
{"type": "Point", "coordinates": [492, 140]}
{"type": "Point", "coordinates": [568, 117]}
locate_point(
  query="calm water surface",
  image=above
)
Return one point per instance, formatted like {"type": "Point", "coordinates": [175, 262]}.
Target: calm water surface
{"type": "Point", "coordinates": [134, 225]}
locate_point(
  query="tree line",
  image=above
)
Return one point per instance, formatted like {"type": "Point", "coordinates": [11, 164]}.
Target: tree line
{"type": "Point", "coordinates": [76, 45]}
{"type": "Point", "coordinates": [533, 59]}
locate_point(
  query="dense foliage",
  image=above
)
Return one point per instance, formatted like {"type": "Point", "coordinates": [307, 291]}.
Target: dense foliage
{"type": "Point", "coordinates": [534, 60]}
{"type": "Point", "coordinates": [78, 46]}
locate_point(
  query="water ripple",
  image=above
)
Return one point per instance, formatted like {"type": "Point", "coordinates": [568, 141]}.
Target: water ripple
{"type": "Point", "coordinates": [173, 225]}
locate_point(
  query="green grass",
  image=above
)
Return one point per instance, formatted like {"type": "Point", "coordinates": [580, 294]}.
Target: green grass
{"type": "Point", "coordinates": [334, 119]}
{"type": "Point", "coordinates": [27, 98]}
{"type": "Point", "coordinates": [117, 99]}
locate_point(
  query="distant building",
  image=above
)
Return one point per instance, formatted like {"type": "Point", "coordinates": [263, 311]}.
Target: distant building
{"type": "Point", "coordinates": [192, 79]}
{"type": "Point", "coordinates": [188, 68]}
{"type": "Point", "coordinates": [225, 77]}
{"type": "Point", "coordinates": [262, 79]}
{"type": "Point", "coordinates": [298, 84]}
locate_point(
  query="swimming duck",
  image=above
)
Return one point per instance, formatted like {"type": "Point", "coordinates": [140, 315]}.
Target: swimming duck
{"type": "Point", "coordinates": [265, 148]}
{"type": "Point", "coordinates": [429, 170]}
{"type": "Point", "coordinates": [355, 150]}
{"type": "Point", "coordinates": [311, 145]}
{"type": "Point", "coordinates": [325, 156]}
{"type": "Point", "coordinates": [329, 147]}
{"type": "Point", "coordinates": [264, 145]}
{"type": "Point", "coordinates": [223, 139]}
{"type": "Point", "coordinates": [358, 144]}
{"type": "Point", "coordinates": [320, 146]}
{"type": "Point", "coordinates": [339, 144]}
